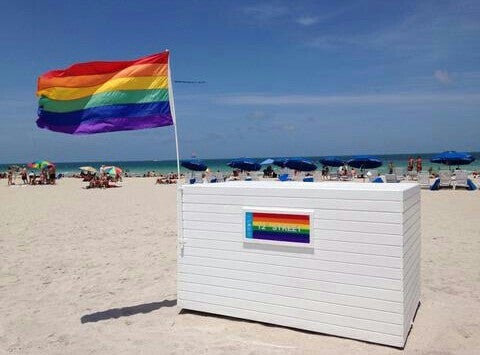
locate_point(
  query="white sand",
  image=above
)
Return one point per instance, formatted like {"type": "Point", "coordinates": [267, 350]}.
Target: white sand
{"type": "Point", "coordinates": [107, 257]}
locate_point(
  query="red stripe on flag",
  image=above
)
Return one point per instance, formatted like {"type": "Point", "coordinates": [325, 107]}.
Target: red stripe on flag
{"type": "Point", "coordinates": [92, 68]}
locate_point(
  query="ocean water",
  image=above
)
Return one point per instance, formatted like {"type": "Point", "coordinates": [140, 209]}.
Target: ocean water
{"type": "Point", "coordinates": [138, 168]}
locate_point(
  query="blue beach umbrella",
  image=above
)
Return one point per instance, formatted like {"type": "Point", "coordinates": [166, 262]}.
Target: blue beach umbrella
{"type": "Point", "coordinates": [267, 161]}
{"type": "Point", "coordinates": [194, 165]}
{"type": "Point", "coordinates": [245, 164]}
{"type": "Point", "coordinates": [365, 162]}
{"type": "Point", "coordinates": [332, 161]}
{"type": "Point", "coordinates": [300, 164]}
{"type": "Point", "coordinates": [453, 158]}
{"type": "Point", "coordinates": [280, 162]}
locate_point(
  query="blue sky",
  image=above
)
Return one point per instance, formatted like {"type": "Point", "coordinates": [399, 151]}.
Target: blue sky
{"type": "Point", "coordinates": [282, 78]}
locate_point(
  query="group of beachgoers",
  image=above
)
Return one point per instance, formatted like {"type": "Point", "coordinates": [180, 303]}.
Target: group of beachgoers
{"type": "Point", "coordinates": [46, 176]}
{"type": "Point", "coordinates": [166, 179]}
{"type": "Point", "coordinates": [101, 181]}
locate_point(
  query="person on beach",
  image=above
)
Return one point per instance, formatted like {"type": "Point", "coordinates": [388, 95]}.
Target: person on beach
{"type": "Point", "coordinates": [24, 176]}
{"type": "Point", "coordinates": [390, 167]}
{"type": "Point", "coordinates": [51, 174]}
{"type": "Point", "coordinates": [10, 177]}
{"type": "Point", "coordinates": [43, 177]}
{"type": "Point", "coordinates": [419, 163]}
{"type": "Point", "coordinates": [31, 177]}
{"type": "Point", "coordinates": [410, 164]}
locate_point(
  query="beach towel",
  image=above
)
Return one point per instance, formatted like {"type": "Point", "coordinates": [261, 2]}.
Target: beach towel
{"type": "Point", "coordinates": [436, 185]}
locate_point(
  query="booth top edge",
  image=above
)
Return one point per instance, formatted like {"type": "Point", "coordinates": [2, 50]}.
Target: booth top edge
{"type": "Point", "coordinates": [349, 186]}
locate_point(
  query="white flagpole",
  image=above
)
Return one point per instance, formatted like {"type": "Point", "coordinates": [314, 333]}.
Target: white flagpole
{"type": "Point", "coordinates": [172, 110]}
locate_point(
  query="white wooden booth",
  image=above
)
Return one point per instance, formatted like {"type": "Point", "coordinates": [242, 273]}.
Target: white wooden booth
{"type": "Point", "coordinates": [336, 258]}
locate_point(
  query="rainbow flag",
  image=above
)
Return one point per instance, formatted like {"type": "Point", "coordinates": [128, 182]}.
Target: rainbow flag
{"type": "Point", "coordinates": [97, 97]}
{"type": "Point", "coordinates": [278, 226]}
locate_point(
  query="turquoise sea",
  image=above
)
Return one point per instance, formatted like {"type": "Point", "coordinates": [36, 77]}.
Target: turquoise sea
{"type": "Point", "coordinates": [138, 168]}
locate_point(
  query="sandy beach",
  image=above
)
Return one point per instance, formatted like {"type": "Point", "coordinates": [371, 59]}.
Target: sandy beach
{"type": "Point", "coordinates": [94, 272]}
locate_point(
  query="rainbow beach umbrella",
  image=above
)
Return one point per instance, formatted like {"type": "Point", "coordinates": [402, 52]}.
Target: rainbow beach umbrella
{"type": "Point", "coordinates": [112, 170]}
{"type": "Point", "coordinates": [40, 164]}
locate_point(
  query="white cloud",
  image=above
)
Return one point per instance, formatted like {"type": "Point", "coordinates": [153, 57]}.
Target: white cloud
{"type": "Point", "coordinates": [325, 100]}
{"type": "Point", "coordinates": [426, 34]}
{"type": "Point", "coordinates": [265, 12]}
{"type": "Point", "coordinates": [307, 20]}
{"type": "Point", "coordinates": [443, 76]}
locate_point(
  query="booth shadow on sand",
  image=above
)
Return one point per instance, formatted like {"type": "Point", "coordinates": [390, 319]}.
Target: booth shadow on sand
{"type": "Point", "coordinates": [115, 313]}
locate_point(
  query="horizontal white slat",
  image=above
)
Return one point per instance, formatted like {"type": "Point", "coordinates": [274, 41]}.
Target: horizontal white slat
{"type": "Point", "coordinates": [321, 229]}
{"type": "Point", "coordinates": [411, 302]}
{"type": "Point", "coordinates": [204, 257]}
{"type": "Point", "coordinates": [411, 309]}
{"type": "Point", "coordinates": [358, 323]}
{"type": "Point", "coordinates": [411, 222]}
{"type": "Point", "coordinates": [321, 244]}
{"type": "Point", "coordinates": [413, 226]}
{"type": "Point", "coordinates": [411, 258]}
{"type": "Point", "coordinates": [411, 192]}
{"type": "Point", "coordinates": [386, 266]}
{"type": "Point", "coordinates": [316, 326]}
{"type": "Point", "coordinates": [376, 241]}
{"type": "Point", "coordinates": [211, 212]}
{"type": "Point", "coordinates": [329, 298]}
{"type": "Point", "coordinates": [358, 237]}
{"type": "Point", "coordinates": [294, 302]}
{"type": "Point", "coordinates": [318, 223]}
{"type": "Point", "coordinates": [365, 227]}
{"type": "Point", "coordinates": [211, 208]}
{"type": "Point", "coordinates": [411, 237]}
{"type": "Point", "coordinates": [413, 210]}
{"type": "Point", "coordinates": [410, 202]}
{"type": "Point", "coordinates": [336, 194]}
{"type": "Point", "coordinates": [295, 202]}
{"type": "Point", "coordinates": [295, 281]}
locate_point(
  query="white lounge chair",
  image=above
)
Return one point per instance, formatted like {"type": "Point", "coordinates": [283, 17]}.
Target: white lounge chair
{"type": "Point", "coordinates": [413, 175]}
{"type": "Point", "coordinates": [333, 175]}
{"type": "Point", "coordinates": [445, 178]}
{"type": "Point", "coordinates": [400, 172]}
{"type": "Point", "coordinates": [424, 179]}
{"type": "Point", "coordinates": [461, 177]}
{"type": "Point", "coordinates": [373, 175]}
{"type": "Point", "coordinates": [391, 178]}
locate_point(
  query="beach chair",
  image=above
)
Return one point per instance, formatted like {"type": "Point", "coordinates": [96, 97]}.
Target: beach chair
{"type": "Point", "coordinates": [424, 179]}
{"type": "Point", "coordinates": [445, 178]}
{"type": "Point", "coordinates": [413, 175]}
{"type": "Point", "coordinates": [373, 175]}
{"type": "Point", "coordinates": [391, 178]}
{"type": "Point", "coordinates": [284, 177]}
{"type": "Point", "coordinates": [461, 179]}
{"type": "Point", "coordinates": [400, 173]}
{"type": "Point", "coordinates": [308, 179]}
{"type": "Point", "coordinates": [333, 175]}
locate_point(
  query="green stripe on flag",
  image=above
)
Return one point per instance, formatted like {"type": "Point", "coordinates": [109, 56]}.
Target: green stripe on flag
{"type": "Point", "coordinates": [104, 98]}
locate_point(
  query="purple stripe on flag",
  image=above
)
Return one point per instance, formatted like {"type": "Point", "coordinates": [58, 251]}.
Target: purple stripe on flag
{"type": "Point", "coordinates": [112, 124]}
{"type": "Point", "coordinates": [282, 237]}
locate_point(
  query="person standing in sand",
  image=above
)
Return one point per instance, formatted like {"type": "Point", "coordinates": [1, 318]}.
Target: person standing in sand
{"type": "Point", "coordinates": [51, 174]}
{"type": "Point", "coordinates": [410, 164]}
{"type": "Point", "coordinates": [10, 177]}
{"type": "Point", "coordinates": [24, 176]}
{"type": "Point", "coordinates": [419, 163]}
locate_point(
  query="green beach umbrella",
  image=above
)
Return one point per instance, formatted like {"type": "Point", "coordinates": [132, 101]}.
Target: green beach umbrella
{"type": "Point", "coordinates": [40, 164]}
{"type": "Point", "coordinates": [112, 170]}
